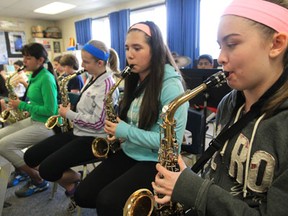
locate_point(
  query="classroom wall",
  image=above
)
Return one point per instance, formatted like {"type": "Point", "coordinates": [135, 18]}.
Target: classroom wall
{"type": "Point", "coordinates": [17, 24]}
{"type": "Point", "coordinates": [67, 25]}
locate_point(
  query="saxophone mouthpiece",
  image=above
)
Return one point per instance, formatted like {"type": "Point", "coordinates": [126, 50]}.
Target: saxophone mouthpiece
{"type": "Point", "coordinates": [80, 72]}
{"type": "Point", "coordinates": [21, 68]}
{"type": "Point", "coordinates": [126, 71]}
{"type": "Point", "coordinates": [226, 73]}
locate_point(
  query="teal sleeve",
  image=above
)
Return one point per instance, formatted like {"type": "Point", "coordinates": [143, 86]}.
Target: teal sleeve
{"type": "Point", "coordinates": [151, 138]}
{"type": "Point", "coordinates": [139, 136]}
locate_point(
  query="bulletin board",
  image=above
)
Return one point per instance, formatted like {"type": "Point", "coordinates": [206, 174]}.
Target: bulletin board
{"type": "Point", "coordinates": [14, 43]}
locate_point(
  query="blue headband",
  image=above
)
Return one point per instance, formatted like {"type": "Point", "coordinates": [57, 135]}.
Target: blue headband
{"type": "Point", "coordinates": [98, 53]}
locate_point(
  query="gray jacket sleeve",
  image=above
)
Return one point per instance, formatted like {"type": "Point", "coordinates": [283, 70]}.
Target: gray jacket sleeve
{"type": "Point", "coordinates": [208, 199]}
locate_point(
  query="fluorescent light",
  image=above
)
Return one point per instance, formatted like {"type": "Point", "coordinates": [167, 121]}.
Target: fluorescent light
{"type": "Point", "coordinates": [54, 8]}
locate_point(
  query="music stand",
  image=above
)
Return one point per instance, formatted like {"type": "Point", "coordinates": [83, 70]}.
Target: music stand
{"type": "Point", "coordinates": [206, 99]}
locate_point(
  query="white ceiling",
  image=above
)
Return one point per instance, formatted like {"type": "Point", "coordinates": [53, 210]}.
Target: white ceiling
{"type": "Point", "coordinates": [24, 8]}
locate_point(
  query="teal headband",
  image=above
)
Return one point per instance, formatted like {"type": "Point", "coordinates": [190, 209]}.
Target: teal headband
{"type": "Point", "coordinates": [98, 53]}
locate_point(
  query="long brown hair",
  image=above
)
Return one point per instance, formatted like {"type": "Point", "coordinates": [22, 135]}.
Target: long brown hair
{"type": "Point", "coordinates": [150, 106]}
{"type": "Point", "coordinates": [282, 94]}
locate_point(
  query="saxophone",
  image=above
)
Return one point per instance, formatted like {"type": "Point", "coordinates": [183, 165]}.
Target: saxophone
{"type": "Point", "coordinates": [141, 202]}
{"type": "Point", "coordinates": [12, 115]}
{"type": "Point", "coordinates": [57, 119]}
{"type": "Point", "coordinates": [101, 146]}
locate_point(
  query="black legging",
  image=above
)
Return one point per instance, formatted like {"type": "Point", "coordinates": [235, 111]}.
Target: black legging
{"type": "Point", "coordinates": [58, 153]}
{"type": "Point", "coordinates": [111, 183]}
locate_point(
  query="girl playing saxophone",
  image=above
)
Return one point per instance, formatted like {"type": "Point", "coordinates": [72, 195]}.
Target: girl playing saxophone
{"type": "Point", "coordinates": [57, 154]}
{"type": "Point", "coordinates": [42, 94]}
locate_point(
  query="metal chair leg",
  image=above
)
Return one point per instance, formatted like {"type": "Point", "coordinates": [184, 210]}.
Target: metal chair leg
{"type": "Point", "coordinates": [54, 190]}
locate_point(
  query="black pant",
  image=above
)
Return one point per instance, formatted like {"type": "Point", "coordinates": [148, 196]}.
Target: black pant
{"type": "Point", "coordinates": [58, 153]}
{"type": "Point", "coordinates": [110, 184]}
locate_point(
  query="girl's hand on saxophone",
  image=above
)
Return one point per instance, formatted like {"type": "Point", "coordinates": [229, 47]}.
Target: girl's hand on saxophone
{"type": "Point", "coordinates": [63, 110]}
{"type": "Point", "coordinates": [165, 181]}
{"type": "Point", "coordinates": [14, 103]}
{"type": "Point", "coordinates": [110, 129]}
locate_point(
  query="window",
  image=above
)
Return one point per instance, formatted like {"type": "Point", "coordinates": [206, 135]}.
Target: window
{"type": "Point", "coordinates": [101, 30]}
{"type": "Point", "coordinates": [157, 14]}
{"type": "Point", "coordinates": [210, 12]}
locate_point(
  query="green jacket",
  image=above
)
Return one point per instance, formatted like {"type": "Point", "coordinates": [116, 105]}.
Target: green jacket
{"type": "Point", "coordinates": [42, 95]}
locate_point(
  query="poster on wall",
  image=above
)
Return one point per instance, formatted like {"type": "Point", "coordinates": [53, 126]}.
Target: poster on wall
{"type": "Point", "coordinates": [57, 47]}
{"type": "Point", "coordinates": [16, 42]}
{"type": "Point", "coordinates": [3, 49]}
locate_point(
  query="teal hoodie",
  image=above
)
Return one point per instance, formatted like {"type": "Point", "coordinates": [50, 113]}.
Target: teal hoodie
{"type": "Point", "coordinates": [42, 94]}
{"type": "Point", "coordinates": [143, 145]}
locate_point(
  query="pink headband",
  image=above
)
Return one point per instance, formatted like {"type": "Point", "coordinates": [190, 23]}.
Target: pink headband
{"type": "Point", "coordinates": [143, 27]}
{"type": "Point", "coordinates": [267, 13]}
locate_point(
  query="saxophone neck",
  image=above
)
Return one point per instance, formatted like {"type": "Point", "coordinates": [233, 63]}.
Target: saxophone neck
{"type": "Point", "coordinates": [214, 80]}
{"type": "Point", "coordinates": [80, 72]}
{"type": "Point", "coordinates": [8, 82]}
{"type": "Point", "coordinates": [170, 109]}
{"type": "Point", "coordinates": [123, 75]}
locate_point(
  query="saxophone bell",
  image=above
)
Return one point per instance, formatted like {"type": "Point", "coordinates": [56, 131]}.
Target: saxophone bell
{"type": "Point", "coordinates": [100, 147]}
{"type": "Point", "coordinates": [140, 203]}
{"type": "Point", "coordinates": [52, 122]}
{"type": "Point", "coordinates": [4, 115]}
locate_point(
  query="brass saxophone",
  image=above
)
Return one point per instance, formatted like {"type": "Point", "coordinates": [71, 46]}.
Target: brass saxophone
{"type": "Point", "coordinates": [141, 202]}
{"type": "Point", "coordinates": [12, 115]}
{"type": "Point", "coordinates": [101, 146]}
{"type": "Point", "coordinates": [57, 119]}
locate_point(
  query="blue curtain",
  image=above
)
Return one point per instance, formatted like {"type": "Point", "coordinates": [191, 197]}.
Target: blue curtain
{"type": "Point", "coordinates": [183, 21]}
{"type": "Point", "coordinates": [119, 24]}
{"type": "Point", "coordinates": [83, 31]}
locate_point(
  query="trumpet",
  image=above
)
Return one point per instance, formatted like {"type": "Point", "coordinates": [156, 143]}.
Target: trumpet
{"type": "Point", "coordinates": [101, 146]}
{"type": "Point", "coordinates": [56, 119]}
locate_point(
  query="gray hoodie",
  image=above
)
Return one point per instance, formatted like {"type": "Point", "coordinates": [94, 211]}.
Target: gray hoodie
{"type": "Point", "coordinates": [235, 187]}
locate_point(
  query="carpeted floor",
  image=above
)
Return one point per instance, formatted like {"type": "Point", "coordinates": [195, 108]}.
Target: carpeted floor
{"type": "Point", "coordinates": [40, 204]}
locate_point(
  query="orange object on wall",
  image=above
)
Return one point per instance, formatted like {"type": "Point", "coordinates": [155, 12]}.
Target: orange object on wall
{"type": "Point", "coordinates": [72, 42]}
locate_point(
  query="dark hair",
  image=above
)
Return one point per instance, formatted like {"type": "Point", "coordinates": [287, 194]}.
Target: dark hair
{"type": "Point", "coordinates": [150, 106]}
{"type": "Point", "coordinates": [38, 51]}
{"type": "Point", "coordinates": [206, 56]}
{"type": "Point", "coordinates": [69, 60]}
{"type": "Point", "coordinates": [19, 63]}
{"type": "Point", "coordinates": [57, 58]}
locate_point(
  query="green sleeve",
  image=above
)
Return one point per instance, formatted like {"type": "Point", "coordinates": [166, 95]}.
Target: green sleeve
{"type": "Point", "coordinates": [49, 94]}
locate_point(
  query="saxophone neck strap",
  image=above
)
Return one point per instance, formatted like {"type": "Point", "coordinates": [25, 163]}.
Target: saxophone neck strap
{"type": "Point", "coordinates": [228, 132]}
{"type": "Point", "coordinates": [218, 142]}
{"type": "Point", "coordinates": [90, 83]}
